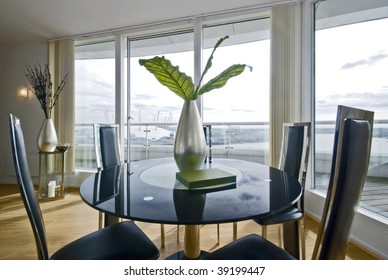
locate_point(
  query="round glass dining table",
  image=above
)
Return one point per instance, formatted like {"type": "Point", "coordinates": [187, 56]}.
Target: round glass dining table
{"type": "Point", "coordinates": [148, 191]}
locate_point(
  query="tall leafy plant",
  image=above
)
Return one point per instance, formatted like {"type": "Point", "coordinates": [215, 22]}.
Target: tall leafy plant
{"type": "Point", "coordinates": [182, 84]}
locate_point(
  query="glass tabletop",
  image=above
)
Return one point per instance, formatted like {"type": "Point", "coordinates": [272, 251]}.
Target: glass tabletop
{"type": "Point", "coordinates": [148, 191]}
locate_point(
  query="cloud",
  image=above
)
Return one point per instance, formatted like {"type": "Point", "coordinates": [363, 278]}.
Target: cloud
{"type": "Point", "coordinates": [375, 101]}
{"type": "Point", "coordinates": [104, 85]}
{"type": "Point", "coordinates": [365, 62]}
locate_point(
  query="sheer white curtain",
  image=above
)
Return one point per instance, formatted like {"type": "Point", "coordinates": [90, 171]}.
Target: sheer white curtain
{"type": "Point", "coordinates": [285, 100]}
{"type": "Point", "coordinates": [61, 61]}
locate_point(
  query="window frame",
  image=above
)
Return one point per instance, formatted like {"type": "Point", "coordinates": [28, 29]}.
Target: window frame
{"type": "Point", "coordinates": [364, 221]}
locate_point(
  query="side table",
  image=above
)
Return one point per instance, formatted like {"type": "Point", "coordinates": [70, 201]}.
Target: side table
{"type": "Point", "coordinates": [52, 183]}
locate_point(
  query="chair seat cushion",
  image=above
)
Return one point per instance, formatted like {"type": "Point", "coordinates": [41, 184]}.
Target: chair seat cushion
{"type": "Point", "coordinates": [250, 247]}
{"type": "Point", "coordinates": [289, 215]}
{"type": "Point", "coordinates": [121, 241]}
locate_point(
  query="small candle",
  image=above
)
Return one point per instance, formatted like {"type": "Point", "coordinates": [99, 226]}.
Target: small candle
{"type": "Point", "coordinates": [51, 188]}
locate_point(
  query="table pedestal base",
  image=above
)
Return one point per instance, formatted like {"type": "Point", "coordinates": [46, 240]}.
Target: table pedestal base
{"type": "Point", "coordinates": [192, 242]}
{"type": "Point", "coordinates": [192, 250]}
{"type": "Point", "coordinates": [181, 256]}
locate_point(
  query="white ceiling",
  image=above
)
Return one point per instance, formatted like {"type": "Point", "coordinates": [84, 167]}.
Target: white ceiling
{"type": "Point", "coordinates": [24, 21]}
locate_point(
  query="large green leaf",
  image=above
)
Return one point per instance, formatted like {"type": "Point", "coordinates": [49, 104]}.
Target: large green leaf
{"type": "Point", "coordinates": [170, 76]}
{"type": "Point", "coordinates": [183, 85]}
{"type": "Point", "coordinates": [220, 80]}
{"type": "Point", "coordinates": [209, 63]}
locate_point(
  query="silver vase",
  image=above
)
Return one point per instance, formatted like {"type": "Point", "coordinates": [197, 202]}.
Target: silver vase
{"type": "Point", "coordinates": [47, 138]}
{"type": "Point", "coordinates": [190, 143]}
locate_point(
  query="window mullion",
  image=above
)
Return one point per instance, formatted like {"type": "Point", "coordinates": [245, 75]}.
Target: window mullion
{"type": "Point", "coordinates": [198, 59]}
{"type": "Point", "coordinates": [119, 86]}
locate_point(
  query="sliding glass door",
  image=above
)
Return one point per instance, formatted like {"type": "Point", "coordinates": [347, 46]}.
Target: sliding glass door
{"type": "Point", "coordinates": [153, 109]}
{"type": "Point", "coordinates": [238, 113]}
{"type": "Point", "coordinates": [94, 97]}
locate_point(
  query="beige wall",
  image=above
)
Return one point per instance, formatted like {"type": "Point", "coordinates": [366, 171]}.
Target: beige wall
{"type": "Point", "coordinates": [13, 61]}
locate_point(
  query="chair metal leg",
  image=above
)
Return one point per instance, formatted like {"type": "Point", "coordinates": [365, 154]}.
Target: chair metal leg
{"type": "Point", "coordinates": [162, 235]}
{"type": "Point", "coordinates": [100, 220]}
{"type": "Point", "coordinates": [234, 230]}
{"type": "Point", "coordinates": [110, 220]}
{"type": "Point", "coordinates": [280, 235]}
{"type": "Point", "coordinates": [291, 238]}
{"type": "Point", "coordinates": [264, 231]}
{"type": "Point", "coordinates": [218, 233]}
{"type": "Point", "coordinates": [302, 238]}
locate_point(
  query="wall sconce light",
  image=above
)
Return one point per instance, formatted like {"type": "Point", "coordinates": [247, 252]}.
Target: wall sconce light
{"type": "Point", "coordinates": [22, 92]}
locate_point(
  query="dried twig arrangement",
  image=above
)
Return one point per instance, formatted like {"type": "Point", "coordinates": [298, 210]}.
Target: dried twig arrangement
{"type": "Point", "coordinates": [41, 85]}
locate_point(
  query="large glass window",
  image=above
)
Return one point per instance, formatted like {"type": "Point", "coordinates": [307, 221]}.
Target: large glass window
{"type": "Point", "coordinates": [351, 69]}
{"type": "Point", "coordinates": [150, 101]}
{"type": "Point", "coordinates": [154, 110]}
{"type": "Point", "coordinates": [245, 98]}
{"type": "Point", "coordinates": [239, 112]}
{"type": "Point", "coordinates": [94, 97]}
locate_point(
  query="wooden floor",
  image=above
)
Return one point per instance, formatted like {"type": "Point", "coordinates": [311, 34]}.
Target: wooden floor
{"type": "Point", "coordinates": [70, 218]}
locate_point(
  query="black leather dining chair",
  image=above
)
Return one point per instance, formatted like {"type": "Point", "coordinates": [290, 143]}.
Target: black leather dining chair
{"type": "Point", "coordinates": [107, 145]}
{"type": "Point", "coordinates": [107, 151]}
{"type": "Point", "coordinates": [121, 241]}
{"type": "Point", "coordinates": [351, 153]}
{"type": "Point", "coordinates": [294, 159]}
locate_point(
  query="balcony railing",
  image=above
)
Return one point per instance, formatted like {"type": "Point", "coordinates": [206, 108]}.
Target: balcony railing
{"type": "Point", "coordinates": [248, 141]}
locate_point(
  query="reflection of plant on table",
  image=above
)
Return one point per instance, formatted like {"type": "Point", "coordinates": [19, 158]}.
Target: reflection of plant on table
{"type": "Point", "coordinates": [42, 87]}
{"type": "Point", "coordinates": [182, 84]}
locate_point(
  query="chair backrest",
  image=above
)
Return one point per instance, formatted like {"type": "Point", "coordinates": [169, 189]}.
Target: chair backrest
{"type": "Point", "coordinates": [295, 151]}
{"type": "Point", "coordinates": [207, 129]}
{"type": "Point", "coordinates": [107, 145]}
{"type": "Point", "coordinates": [26, 186]}
{"type": "Point", "coordinates": [351, 153]}
{"type": "Point", "coordinates": [295, 148]}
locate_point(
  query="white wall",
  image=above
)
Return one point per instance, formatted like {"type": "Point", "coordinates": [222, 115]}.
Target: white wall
{"type": "Point", "coordinates": [13, 60]}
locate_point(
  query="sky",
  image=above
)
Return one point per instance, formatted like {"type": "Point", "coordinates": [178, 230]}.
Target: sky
{"type": "Point", "coordinates": [351, 69]}
{"type": "Point", "coordinates": [243, 98]}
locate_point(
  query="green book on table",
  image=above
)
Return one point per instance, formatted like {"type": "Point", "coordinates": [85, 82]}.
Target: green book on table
{"type": "Point", "coordinates": [205, 178]}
